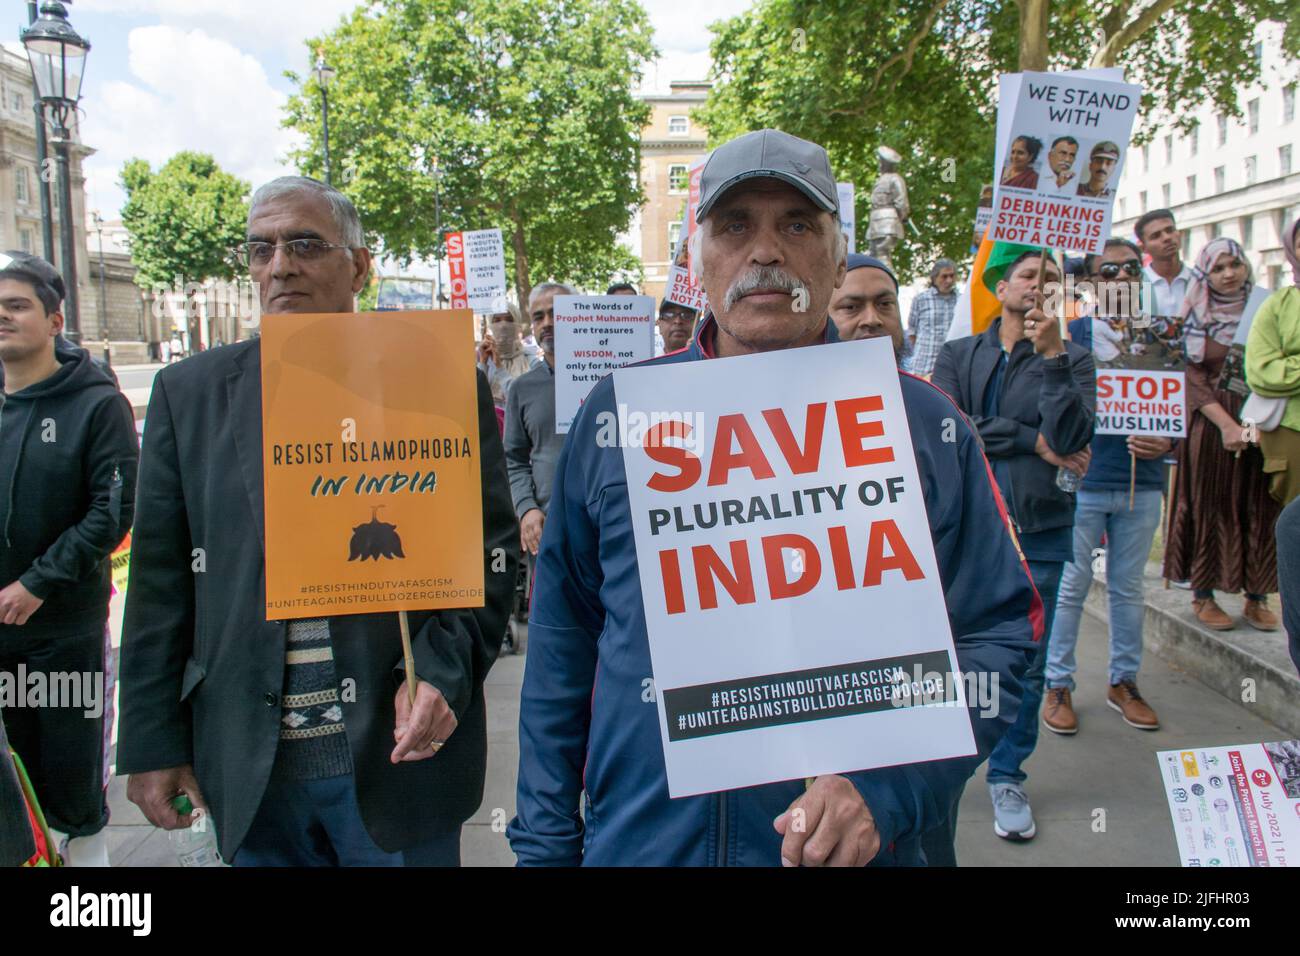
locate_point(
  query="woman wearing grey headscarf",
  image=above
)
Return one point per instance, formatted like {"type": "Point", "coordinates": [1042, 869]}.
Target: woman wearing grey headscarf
{"type": "Point", "coordinates": [1221, 532]}
{"type": "Point", "coordinates": [1273, 371]}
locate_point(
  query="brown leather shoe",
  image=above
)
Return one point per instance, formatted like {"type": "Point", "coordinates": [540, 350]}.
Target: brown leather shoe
{"type": "Point", "coordinates": [1259, 617]}
{"type": "Point", "coordinates": [1211, 615]}
{"type": "Point", "coordinates": [1136, 712]}
{"type": "Point", "coordinates": [1058, 714]}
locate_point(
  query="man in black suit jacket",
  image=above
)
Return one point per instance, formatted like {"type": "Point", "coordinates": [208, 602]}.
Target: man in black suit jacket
{"type": "Point", "coordinates": [285, 731]}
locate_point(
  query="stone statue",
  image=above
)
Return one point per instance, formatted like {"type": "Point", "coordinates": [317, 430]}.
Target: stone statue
{"type": "Point", "coordinates": [889, 208]}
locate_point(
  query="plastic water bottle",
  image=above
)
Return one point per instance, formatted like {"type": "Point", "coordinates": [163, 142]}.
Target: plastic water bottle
{"type": "Point", "coordinates": [196, 844]}
{"type": "Point", "coordinates": [1068, 480]}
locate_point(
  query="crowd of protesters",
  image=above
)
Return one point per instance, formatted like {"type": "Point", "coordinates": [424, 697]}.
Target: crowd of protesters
{"type": "Point", "coordinates": [246, 718]}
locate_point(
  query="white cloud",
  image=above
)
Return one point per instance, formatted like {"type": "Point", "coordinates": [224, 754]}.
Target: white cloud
{"type": "Point", "coordinates": [684, 27]}
{"type": "Point", "coordinates": [242, 23]}
{"type": "Point", "coordinates": [681, 33]}
{"type": "Point", "coordinates": [188, 90]}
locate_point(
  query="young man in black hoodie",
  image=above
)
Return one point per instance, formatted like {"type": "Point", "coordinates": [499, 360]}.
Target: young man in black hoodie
{"type": "Point", "coordinates": [68, 454]}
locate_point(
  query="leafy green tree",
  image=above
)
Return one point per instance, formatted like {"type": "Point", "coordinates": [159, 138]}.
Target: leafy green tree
{"type": "Point", "coordinates": [523, 108]}
{"type": "Point", "coordinates": [184, 219]}
{"type": "Point", "coordinates": [921, 76]}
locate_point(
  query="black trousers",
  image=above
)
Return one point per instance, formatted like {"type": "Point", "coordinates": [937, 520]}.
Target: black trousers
{"type": "Point", "coordinates": [53, 697]}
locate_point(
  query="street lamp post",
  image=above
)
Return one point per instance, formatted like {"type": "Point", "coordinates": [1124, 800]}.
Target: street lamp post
{"type": "Point", "coordinates": [103, 302]}
{"type": "Point", "coordinates": [42, 151]}
{"type": "Point", "coordinates": [324, 74]}
{"type": "Point", "coordinates": [436, 173]}
{"type": "Point", "coordinates": [58, 59]}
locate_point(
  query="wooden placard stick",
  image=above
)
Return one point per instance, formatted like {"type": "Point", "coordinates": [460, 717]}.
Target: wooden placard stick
{"type": "Point", "coordinates": [409, 659]}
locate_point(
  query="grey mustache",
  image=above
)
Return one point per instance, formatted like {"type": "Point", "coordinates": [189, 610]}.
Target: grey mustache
{"type": "Point", "coordinates": [763, 277]}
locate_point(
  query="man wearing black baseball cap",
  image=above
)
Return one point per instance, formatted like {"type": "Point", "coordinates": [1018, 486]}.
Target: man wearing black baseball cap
{"type": "Point", "coordinates": [68, 454]}
{"type": "Point", "coordinates": [770, 255]}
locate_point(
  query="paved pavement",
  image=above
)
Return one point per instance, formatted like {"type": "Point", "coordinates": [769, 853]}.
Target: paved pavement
{"type": "Point", "coordinates": [1107, 767]}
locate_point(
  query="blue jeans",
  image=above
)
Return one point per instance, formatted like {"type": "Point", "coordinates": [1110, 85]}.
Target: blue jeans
{"type": "Point", "coordinates": [1014, 748]}
{"type": "Point", "coordinates": [318, 823]}
{"type": "Point", "coordinates": [1128, 544]}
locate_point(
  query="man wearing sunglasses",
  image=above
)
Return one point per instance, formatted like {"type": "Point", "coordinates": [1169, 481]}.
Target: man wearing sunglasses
{"type": "Point", "coordinates": [1103, 508]}
{"type": "Point", "coordinates": [676, 323]}
{"type": "Point", "coordinates": [296, 736]}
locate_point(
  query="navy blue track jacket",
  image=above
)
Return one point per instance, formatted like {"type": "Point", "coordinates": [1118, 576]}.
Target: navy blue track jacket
{"type": "Point", "coordinates": [588, 719]}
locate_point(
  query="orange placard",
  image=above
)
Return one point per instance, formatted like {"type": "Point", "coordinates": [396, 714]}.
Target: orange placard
{"type": "Point", "coordinates": [371, 463]}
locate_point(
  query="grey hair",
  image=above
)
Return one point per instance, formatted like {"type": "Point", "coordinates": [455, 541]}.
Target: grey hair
{"type": "Point", "coordinates": [553, 287]}
{"type": "Point", "coordinates": [344, 213]}
{"type": "Point", "coordinates": [939, 266]}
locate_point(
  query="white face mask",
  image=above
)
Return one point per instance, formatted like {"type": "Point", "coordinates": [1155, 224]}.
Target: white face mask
{"type": "Point", "coordinates": [506, 337]}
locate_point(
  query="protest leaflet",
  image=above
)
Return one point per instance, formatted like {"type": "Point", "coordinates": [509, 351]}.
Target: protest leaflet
{"type": "Point", "coordinates": [848, 215]}
{"type": "Point", "coordinates": [476, 267]}
{"type": "Point", "coordinates": [1141, 376]}
{"type": "Point", "coordinates": [1061, 143]}
{"type": "Point", "coordinates": [796, 618]}
{"type": "Point", "coordinates": [1236, 805]}
{"type": "Point", "coordinates": [595, 334]}
{"type": "Point", "coordinates": [370, 464]}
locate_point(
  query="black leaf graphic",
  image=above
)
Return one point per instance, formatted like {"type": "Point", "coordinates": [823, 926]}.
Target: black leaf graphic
{"type": "Point", "coordinates": [375, 539]}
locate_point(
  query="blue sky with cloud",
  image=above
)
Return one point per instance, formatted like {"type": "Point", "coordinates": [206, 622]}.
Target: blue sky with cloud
{"type": "Point", "coordinates": [168, 75]}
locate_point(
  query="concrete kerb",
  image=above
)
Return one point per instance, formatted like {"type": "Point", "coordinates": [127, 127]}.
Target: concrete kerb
{"type": "Point", "coordinates": [1251, 667]}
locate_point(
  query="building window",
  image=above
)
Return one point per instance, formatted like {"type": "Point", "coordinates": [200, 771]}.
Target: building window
{"type": "Point", "coordinates": [1169, 148]}
{"type": "Point", "coordinates": [1191, 188]}
{"type": "Point", "coordinates": [674, 236]}
{"type": "Point", "coordinates": [1123, 208]}
{"type": "Point", "coordinates": [678, 178]}
{"type": "Point", "coordinates": [1194, 139]}
{"type": "Point", "coordinates": [20, 184]}
{"type": "Point", "coordinates": [678, 125]}
{"type": "Point", "coordinates": [1165, 195]}
{"type": "Point", "coordinates": [1252, 115]}
{"type": "Point", "coordinates": [1259, 54]}
{"type": "Point", "coordinates": [1249, 168]}
{"type": "Point", "coordinates": [17, 101]}
{"type": "Point", "coordinates": [1223, 129]}
{"type": "Point", "coordinates": [1146, 157]}
{"type": "Point", "coordinates": [1216, 230]}
{"type": "Point", "coordinates": [25, 241]}
{"type": "Point", "coordinates": [1284, 160]}
{"type": "Point", "coordinates": [1247, 232]}
{"type": "Point", "coordinates": [1219, 179]}
{"type": "Point", "coordinates": [1288, 103]}
{"type": "Point", "coordinates": [1142, 202]}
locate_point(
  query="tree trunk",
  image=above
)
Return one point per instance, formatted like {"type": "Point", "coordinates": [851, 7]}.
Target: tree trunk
{"type": "Point", "coordinates": [523, 287]}
{"type": "Point", "coordinates": [1034, 18]}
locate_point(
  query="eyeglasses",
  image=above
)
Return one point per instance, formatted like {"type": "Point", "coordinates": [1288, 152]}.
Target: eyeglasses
{"type": "Point", "coordinates": [1111, 270]}
{"type": "Point", "coordinates": [676, 317]}
{"type": "Point", "coordinates": [304, 250]}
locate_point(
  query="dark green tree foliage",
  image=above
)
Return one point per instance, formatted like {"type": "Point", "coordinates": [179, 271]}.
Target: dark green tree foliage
{"type": "Point", "coordinates": [921, 76]}
{"type": "Point", "coordinates": [184, 219]}
{"type": "Point", "coordinates": [526, 109]}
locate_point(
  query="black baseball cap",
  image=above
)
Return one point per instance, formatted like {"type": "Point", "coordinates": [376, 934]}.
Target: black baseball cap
{"type": "Point", "coordinates": [768, 153]}
{"type": "Point", "coordinates": [33, 269]}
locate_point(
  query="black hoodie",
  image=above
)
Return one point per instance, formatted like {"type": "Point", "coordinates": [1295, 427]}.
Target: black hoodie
{"type": "Point", "coordinates": [68, 456]}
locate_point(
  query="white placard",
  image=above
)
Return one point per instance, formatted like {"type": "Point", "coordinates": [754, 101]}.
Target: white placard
{"type": "Point", "coordinates": [1141, 402]}
{"type": "Point", "coordinates": [1070, 207]}
{"type": "Point", "coordinates": [476, 264]}
{"type": "Point", "coordinates": [792, 596]}
{"type": "Point", "coordinates": [848, 214]}
{"type": "Point", "coordinates": [595, 334]}
{"type": "Point", "coordinates": [682, 290]}
{"type": "Point", "coordinates": [1236, 805]}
